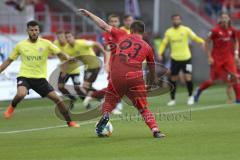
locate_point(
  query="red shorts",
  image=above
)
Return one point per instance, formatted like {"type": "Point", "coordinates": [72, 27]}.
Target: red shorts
{"type": "Point", "coordinates": [221, 69]}
{"type": "Point", "coordinates": [126, 79]}
{"type": "Point", "coordinates": [134, 90]}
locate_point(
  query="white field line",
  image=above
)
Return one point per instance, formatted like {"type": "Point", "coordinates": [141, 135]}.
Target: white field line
{"type": "Point", "coordinates": [41, 107]}
{"type": "Point", "coordinates": [116, 119]}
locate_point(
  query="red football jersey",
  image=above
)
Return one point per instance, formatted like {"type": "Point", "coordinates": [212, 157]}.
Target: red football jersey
{"type": "Point", "coordinates": [111, 41]}
{"type": "Point", "coordinates": [136, 51]}
{"type": "Point", "coordinates": [223, 42]}
{"type": "Point", "coordinates": [133, 46]}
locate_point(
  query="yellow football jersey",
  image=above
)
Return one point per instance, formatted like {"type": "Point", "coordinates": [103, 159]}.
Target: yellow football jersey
{"type": "Point", "coordinates": [34, 57]}
{"type": "Point", "coordinates": [61, 47]}
{"type": "Point", "coordinates": [125, 29]}
{"type": "Point", "coordinates": [83, 49]}
{"type": "Point", "coordinates": [178, 38]}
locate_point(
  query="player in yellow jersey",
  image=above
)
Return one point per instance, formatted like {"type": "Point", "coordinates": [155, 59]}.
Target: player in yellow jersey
{"type": "Point", "coordinates": [61, 41]}
{"type": "Point", "coordinates": [178, 37]}
{"type": "Point", "coordinates": [127, 21]}
{"type": "Point", "coordinates": [33, 71]}
{"type": "Point", "coordinates": [82, 50]}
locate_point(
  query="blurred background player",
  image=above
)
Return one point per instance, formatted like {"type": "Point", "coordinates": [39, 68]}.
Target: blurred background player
{"type": "Point", "coordinates": [110, 44]}
{"type": "Point", "coordinates": [135, 51]}
{"type": "Point", "coordinates": [178, 37]}
{"type": "Point", "coordinates": [61, 41]}
{"type": "Point", "coordinates": [72, 72]}
{"type": "Point", "coordinates": [127, 21]}
{"type": "Point", "coordinates": [33, 71]}
{"type": "Point", "coordinates": [83, 51]}
{"type": "Point", "coordinates": [223, 38]}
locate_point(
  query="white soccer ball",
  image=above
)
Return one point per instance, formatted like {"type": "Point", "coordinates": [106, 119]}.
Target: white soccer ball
{"type": "Point", "coordinates": [107, 131]}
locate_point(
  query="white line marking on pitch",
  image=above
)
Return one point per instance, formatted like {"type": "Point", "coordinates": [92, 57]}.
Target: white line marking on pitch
{"type": "Point", "coordinates": [217, 90]}
{"type": "Point", "coordinates": [116, 119]}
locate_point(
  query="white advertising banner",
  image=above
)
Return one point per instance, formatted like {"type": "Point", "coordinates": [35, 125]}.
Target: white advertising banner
{"type": "Point", "coordinates": [8, 85]}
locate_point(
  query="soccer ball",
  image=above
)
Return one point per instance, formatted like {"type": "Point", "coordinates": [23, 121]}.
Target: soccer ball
{"type": "Point", "coordinates": [107, 131]}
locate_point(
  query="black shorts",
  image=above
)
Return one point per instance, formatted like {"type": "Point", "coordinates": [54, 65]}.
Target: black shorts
{"type": "Point", "coordinates": [177, 66]}
{"type": "Point", "coordinates": [39, 85]}
{"type": "Point", "coordinates": [64, 78]}
{"type": "Point", "coordinates": [90, 75]}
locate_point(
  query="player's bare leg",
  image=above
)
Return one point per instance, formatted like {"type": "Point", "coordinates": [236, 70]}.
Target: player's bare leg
{"type": "Point", "coordinates": [189, 84]}
{"type": "Point", "coordinates": [229, 90]}
{"type": "Point", "coordinates": [62, 108]}
{"type": "Point", "coordinates": [21, 93]}
{"type": "Point", "coordinates": [173, 80]}
{"type": "Point", "coordinates": [61, 87]}
{"type": "Point", "coordinates": [236, 86]}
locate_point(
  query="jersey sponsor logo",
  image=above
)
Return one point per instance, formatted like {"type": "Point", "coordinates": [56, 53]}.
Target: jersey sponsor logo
{"type": "Point", "coordinates": [34, 58]}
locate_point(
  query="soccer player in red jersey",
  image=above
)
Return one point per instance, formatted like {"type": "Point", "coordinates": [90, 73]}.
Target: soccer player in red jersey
{"type": "Point", "coordinates": [110, 47]}
{"type": "Point", "coordinates": [126, 76]}
{"type": "Point", "coordinates": [221, 57]}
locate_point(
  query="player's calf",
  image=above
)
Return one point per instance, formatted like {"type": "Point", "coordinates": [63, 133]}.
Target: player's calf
{"type": "Point", "coordinates": [150, 120]}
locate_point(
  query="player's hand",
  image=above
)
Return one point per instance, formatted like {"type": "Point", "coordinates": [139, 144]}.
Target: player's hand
{"type": "Point", "coordinates": [203, 46]}
{"type": "Point", "coordinates": [160, 57]}
{"type": "Point", "coordinates": [83, 11]}
{"type": "Point", "coordinates": [236, 57]}
{"type": "Point", "coordinates": [210, 60]}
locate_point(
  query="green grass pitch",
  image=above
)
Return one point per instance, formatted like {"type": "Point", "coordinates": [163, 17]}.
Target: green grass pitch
{"type": "Point", "coordinates": [208, 130]}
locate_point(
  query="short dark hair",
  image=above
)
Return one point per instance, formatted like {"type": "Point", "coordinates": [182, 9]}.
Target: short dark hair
{"type": "Point", "coordinates": [137, 27]}
{"type": "Point", "coordinates": [224, 13]}
{"type": "Point", "coordinates": [113, 16]}
{"type": "Point", "coordinates": [60, 32]}
{"type": "Point", "coordinates": [68, 32]}
{"type": "Point", "coordinates": [175, 15]}
{"type": "Point", "coordinates": [32, 23]}
{"type": "Point", "coordinates": [126, 16]}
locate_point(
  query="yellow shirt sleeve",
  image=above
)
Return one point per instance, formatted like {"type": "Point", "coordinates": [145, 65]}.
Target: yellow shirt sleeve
{"type": "Point", "coordinates": [15, 53]}
{"type": "Point", "coordinates": [194, 37]}
{"type": "Point", "coordinates": [53, 49]}
{"type": "Point", "coordinates": [163, 44]}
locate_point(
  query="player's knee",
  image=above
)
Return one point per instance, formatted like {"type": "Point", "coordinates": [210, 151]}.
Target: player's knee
{"type": "Point", "coordinates": [21, 94]}
{"type": "Point", "coordinates": [57, 100]}
{"type": "Point", "coordinates": [76, 88]}
{"type": "Point", "coordinates": [61, 87]}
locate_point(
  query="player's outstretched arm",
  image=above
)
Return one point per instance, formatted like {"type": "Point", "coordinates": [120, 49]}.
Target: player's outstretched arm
{"type": "Point", "coordinates": [5, 64]}
{"type": "Point", "coordinates": [62, 56]}
{"type": "Point", "coordinates": [99, 22]}
{"type": "Point", "coordinates": [163, 46]}
{"type": "Point", "coordinates": [236, 49]}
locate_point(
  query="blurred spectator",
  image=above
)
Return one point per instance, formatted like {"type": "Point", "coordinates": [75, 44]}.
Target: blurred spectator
{"type": "Point", "coordinates": [17, 4]}
{"type": "Point", "coordinates": [213, 7]}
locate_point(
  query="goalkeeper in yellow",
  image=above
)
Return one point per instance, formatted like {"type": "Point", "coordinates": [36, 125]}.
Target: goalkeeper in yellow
{"type": "Point", "coordinates": [83, 52]}
{"type": "Point", "coordinates": [178, 37]}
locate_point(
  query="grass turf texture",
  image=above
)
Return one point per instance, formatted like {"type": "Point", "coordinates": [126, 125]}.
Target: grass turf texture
{"type": "Point", "coordinates": [211, 133]}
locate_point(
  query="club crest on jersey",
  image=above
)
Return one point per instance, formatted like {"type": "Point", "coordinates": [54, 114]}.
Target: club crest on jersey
{"type": "Point", "coordinates": [40, 50]}
{"type": "Point", "coordinates": [221, 33]}
{"type": "Point", "coordinates": [230, 33]}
